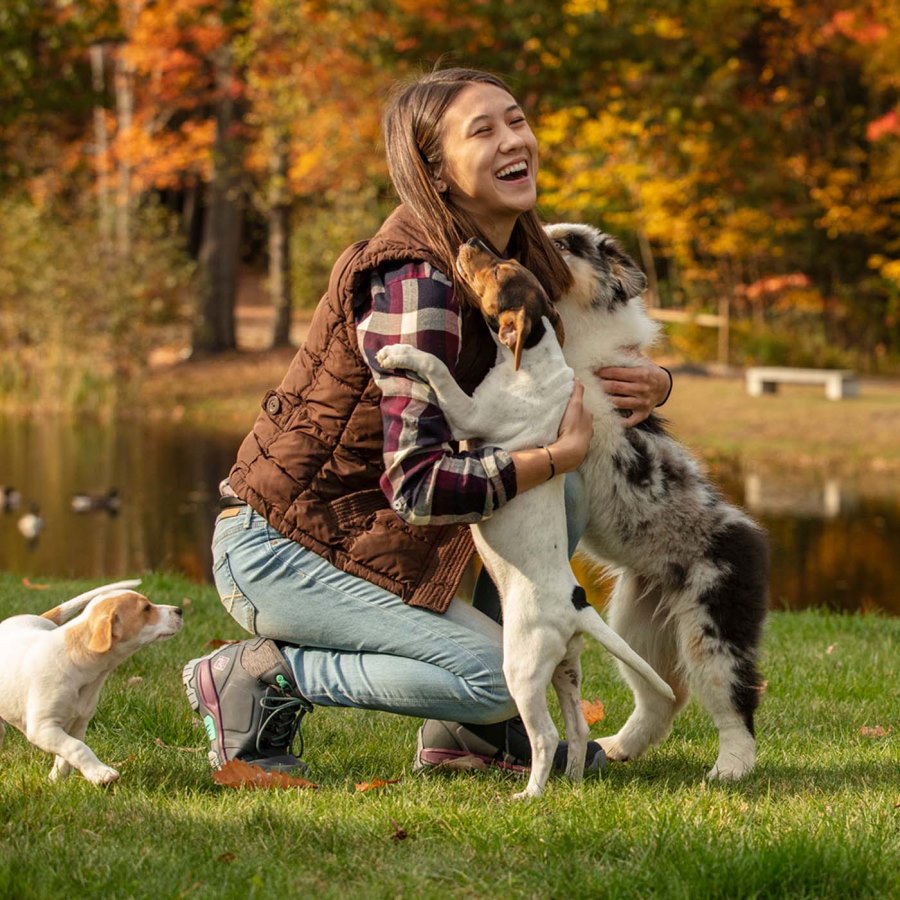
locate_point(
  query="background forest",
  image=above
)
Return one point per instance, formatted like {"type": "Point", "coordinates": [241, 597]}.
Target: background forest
{"type": "Point", "coordinates": [746, 151]}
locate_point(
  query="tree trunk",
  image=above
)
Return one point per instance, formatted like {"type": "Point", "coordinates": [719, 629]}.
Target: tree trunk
{"type": "Point", "coordinates": [280, 248]}
{"type": "Point", "coordinates": [101, 149]}
{"type": "Point", "coordinates": [214, 330]}
{"type": "Point", "coordinates": [649, 268]}
{"type": "Point", "coordinates": [124, 87]}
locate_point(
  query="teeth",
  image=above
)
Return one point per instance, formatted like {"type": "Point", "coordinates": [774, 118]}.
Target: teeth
{"type": "Point", "coordinates": [513, 169]}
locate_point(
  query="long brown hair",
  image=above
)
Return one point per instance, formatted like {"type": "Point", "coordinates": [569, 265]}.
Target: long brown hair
{"type": "Point", "coordinates": [412, 127]}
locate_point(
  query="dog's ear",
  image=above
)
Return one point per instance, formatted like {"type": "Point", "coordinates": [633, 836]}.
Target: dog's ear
{"type": "Point", "coordinates": [104, 630]}
{"type": "Point", "coordinates": [628, 279]}
{"type": "Point", "coordinates": [511, 331]}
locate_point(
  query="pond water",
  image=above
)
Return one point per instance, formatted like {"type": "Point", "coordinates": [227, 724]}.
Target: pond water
{"type": "Point", "coordinates": [834, 543]}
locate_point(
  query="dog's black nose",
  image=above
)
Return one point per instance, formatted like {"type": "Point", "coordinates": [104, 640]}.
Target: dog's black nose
{"type": "Point", "coordinates": [476, 243]}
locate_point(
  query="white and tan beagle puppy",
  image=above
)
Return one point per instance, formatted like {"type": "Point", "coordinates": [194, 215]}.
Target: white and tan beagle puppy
{"type": "Point", "coordinates": [53, 666]}
{"type": "Point", "coordinates": [523, 544]}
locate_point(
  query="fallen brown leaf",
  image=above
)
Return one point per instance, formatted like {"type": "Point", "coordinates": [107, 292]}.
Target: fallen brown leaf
{"type": "Point", "coordinates": [375, 783]}
{"type": "Point", "coordinates": [226, 857]}
{"type": "Point", "coordinates": [875, 730]}
{"type": "Point", "coordinates": [593, 711]}
{"type": "Point", "coordinates": [27, 582]}
{"type": "Point", "coordinates": [215, 643]}
{"type": "Point", "coordinates": [399, 834]}
{"type": "Point", "coordinates": [239, 774]}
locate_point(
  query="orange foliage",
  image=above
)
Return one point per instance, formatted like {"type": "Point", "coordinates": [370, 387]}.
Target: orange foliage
{"type": "Point", "coordinates": [593, 711]}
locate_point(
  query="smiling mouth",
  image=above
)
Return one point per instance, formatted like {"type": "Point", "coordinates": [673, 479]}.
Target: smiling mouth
{"type": "Point", "coordinates": [514, 171]}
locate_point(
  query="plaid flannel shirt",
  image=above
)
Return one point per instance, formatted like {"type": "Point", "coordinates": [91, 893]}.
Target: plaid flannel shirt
{"type": "Point", "coordinates": [427, 480]}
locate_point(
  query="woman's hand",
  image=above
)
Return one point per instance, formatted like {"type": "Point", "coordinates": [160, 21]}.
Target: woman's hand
{"type": "Point", "coordinates": [575, 432]}
{"type": "Point", "coordinates": [539, 464]}
{"type": "Point", "coordinates": [636, 389]}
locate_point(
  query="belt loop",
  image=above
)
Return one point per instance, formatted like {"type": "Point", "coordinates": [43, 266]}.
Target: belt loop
{"type": "Point", "coordinates": [248, 517]}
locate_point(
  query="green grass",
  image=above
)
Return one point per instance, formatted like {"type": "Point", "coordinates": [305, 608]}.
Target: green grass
{"type": "Point", "coordinates": [818, 818]}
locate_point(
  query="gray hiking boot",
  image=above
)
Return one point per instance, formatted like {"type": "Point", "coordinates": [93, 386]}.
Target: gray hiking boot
{"type": "Point", "coordinates": [452, 745]}
{"type": "Point", "coordinates": [249, 704]}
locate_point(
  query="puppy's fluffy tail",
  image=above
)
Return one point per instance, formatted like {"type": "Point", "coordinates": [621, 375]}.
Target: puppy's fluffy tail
{"type": "Point", "coordinates": [621, 649]}
{"type": "Point", "coordinates": [71, 608]}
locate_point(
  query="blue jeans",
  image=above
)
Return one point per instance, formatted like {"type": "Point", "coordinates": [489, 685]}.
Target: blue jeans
{"type": "Point", "coordinates": [351, 643]}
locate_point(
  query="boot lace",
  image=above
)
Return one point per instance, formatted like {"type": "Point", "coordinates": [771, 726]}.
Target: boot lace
{"type": "Point", "coordinates": [282, 724]}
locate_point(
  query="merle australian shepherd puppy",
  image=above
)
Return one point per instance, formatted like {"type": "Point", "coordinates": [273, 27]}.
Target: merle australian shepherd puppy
{"type": "Point", "coordinates": [691, 590]}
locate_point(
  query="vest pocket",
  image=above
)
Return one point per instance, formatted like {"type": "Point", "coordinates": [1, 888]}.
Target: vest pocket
{"type": "Point", "coordinates": [236, 603]}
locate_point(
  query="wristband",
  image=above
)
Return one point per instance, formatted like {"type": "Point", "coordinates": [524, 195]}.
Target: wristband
{"type": "Point", "coordinates": [552, 464]}
{"type": "Point", "coordinates": [669, 391]}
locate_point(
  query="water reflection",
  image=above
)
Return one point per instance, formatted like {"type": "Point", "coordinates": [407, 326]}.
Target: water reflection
{"type": "Point", "coordinates": [834, 543]}
{"type": "Point", "coordinates": [166, 476]}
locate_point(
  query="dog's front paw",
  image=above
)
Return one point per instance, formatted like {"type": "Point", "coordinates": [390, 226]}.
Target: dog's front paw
{"type": "Point", "coordinates": [397, 356]}
{"type": "Point", "coordinates": [100, 774]}
{"type": "Point", "coordinates": [60, 769]}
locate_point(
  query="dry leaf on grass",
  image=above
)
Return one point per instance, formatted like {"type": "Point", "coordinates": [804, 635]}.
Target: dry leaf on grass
{"type": "Point", "coordinates": [27, 582]}
{"type": "Point", "coordinates": [875, 730]}
{"type": "Point", "coordinates": [215, 643]}
{"type": "Point", "coordinates": [400, 834]}
{"type": "Point", "coordinates": [593, 711]}
{"type": "Point", "coordinates": [239, 774]}
{"type": "Point", "coordinates": [375, 783]}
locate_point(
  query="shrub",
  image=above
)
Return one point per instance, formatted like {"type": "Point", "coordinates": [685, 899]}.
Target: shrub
{"type": "Point", "coordinates": [77, 321]}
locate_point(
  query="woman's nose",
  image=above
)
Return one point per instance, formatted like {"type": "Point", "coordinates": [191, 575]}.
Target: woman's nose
{"type": "Point", "coordinates": [512, 138]}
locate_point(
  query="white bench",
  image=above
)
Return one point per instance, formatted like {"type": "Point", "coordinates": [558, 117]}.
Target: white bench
{"type": "Point", "coordinates": [839, 383]}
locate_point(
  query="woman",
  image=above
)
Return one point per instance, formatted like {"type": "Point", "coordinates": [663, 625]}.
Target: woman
{"type": "Point", "coordinates": [344, 535]}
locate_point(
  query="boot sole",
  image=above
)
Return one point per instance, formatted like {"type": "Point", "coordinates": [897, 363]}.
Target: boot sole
{"type": "Point", "coordinates": [430, 758]}
{"type": "Point", "coordinates": [201, 690]}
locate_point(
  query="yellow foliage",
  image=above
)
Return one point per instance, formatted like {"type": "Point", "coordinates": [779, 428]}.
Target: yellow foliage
{"type": "Point", "coordinates": [576, 8]}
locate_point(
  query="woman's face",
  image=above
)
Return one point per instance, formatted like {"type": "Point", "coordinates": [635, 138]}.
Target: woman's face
{"type": "Point", "coordinates": [490, 159]}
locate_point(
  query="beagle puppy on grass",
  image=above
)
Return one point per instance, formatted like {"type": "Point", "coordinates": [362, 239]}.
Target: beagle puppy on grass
{"type": "Point", "coordinates": [520, 404]}
{"type": "Point", "coordinates": [53, 666]}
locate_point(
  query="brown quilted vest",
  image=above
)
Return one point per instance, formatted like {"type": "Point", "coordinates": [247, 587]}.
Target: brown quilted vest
{"type": "Point", "coordinates": [312, 463]}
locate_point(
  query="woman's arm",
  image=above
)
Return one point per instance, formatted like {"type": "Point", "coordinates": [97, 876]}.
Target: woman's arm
{"type": "Point", "coordinates": [427, 480]}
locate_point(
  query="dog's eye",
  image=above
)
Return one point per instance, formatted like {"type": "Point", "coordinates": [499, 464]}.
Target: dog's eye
{"type": "Point", "coordinates": [560, 244]}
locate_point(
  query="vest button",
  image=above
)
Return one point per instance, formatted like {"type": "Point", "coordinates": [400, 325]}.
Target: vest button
{"type": "Point", "coordinates": [273, 405]}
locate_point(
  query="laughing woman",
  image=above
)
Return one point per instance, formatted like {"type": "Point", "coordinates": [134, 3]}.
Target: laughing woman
{"type": "Point", "coordinates": [343, 537]}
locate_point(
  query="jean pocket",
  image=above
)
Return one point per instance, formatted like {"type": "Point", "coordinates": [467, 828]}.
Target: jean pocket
{"type": "Point", "coordinates": [236, 603]}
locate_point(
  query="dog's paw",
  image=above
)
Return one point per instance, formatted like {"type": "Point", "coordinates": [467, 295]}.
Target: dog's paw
{"type": "Point", "coordinates": [732, 770]}
{"type": "Point", "coordinates": [101, 775]}
{"type": "Point", "coordinates": [737, 756]}
{"type": "Point", "coordinates": [613, 748]}
{"type": "Point", "coordinates": [397, 356]}
{"type": "Point", "coordinates": [60, 769]}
